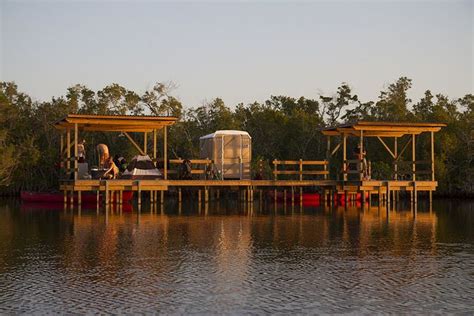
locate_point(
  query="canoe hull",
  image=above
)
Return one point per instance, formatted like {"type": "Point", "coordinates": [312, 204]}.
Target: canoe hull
{"type": "Point", "coordinates": [58, 197]}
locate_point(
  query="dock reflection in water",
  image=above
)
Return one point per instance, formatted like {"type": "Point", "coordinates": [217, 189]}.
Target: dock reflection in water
{"type": "Point", "coordinates": [233, 258]}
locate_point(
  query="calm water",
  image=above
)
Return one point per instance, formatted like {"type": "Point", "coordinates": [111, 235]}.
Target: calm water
{"type": "Point", "coordinates": [233, 260]}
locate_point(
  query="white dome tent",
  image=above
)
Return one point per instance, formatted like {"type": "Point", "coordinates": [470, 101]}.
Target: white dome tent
{"type": "Point", "coordinates": [141, 167]}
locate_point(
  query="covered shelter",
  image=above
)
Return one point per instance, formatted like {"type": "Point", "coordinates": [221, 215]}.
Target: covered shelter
{"type": "Point", "coordinates": [382, 131]}
{"type": "Point", "coordinates": [70, 127]}
{"type": "Point", "coordinates": [395, 138]}
{"type": "Point", "coordinates": [73, 124]}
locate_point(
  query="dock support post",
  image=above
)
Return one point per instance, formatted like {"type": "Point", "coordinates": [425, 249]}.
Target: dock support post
{"type": "Point", "coordinates": [415, 193]}
{"type": "Point", "coordinates": [179, 195]}
{"type": "Point", "coordinates": [380, 195]}
{"type": "Point", "coordinates": [139, 194]}
{"type": "Point", "coordinates": [106, 193]}
{"type": "Point", "coordinates": [292, 195]}
{"type": "Point", "coordinates": [162, 197]}
{"type": "Point", "coordinates": [301, 195]}
{"type": "Point", "coordinates": [275, 196]}
{"type": "Point", "coordinates": [199, 196]}
{"type": "Point", "coordinates": [65, 196]}
{"type": "Point", "coordinates": [284, 196]}
{"type": "Point", "coordinates": [388, 196]}
{"type": "Point", "coordinates": [71, 198]}
{"type": "Point", "coordinates": [79, 197]}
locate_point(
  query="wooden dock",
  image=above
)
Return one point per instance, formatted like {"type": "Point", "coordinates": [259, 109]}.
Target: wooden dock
{"type": "Point", "coordinates": [294, 176]}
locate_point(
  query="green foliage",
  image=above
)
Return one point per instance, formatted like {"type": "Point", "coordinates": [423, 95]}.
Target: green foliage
{"type": "Point", "coordinates": [281, 127]}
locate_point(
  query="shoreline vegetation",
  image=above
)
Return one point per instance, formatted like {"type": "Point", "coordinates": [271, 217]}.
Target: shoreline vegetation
{"type": "Point", "coordinates": [281, 127]}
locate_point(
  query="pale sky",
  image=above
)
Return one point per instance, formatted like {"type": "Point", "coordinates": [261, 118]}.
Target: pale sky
{"type": "Point", "coordinates": [239, 51]}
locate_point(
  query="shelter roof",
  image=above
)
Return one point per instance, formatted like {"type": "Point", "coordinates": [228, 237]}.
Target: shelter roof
{"type": "Point", "coordinates": [115, 123]}
{"type": "Point", "coordinates": [382, 129]}
{"type": "Point", "coordinates": [225, 132]}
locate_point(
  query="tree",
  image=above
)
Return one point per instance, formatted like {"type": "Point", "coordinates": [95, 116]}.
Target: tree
{"type": "Point", "coordinates": [393, 103]}
{"type": "Point", "coordinates": [159, 101]}
{"type": "Point", "coordinates": [334, 106]}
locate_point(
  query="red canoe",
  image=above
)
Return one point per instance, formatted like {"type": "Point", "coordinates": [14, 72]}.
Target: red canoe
{"type": "Point", "coordinates": [311, 198]}
{"type": "Point", "coordinates": [308, 198]}
{"type": "Point", "coordinates": [341, 197]}
{"type": "Point", "coordinates": [58, 197]}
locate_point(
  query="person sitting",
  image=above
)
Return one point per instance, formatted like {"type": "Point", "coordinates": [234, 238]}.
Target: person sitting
{"type": "Point", "coordinates": [81, 151]}
{"type": "Point", "coordinates": [185, 170]}
{"type": "Point", "coordinates": [112, 171]}
{"type": "Point", "coordinates": [122, 164]}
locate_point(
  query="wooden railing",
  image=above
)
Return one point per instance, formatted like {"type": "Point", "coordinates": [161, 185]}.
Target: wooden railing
{"type": "Point", "coordinates": [356, 166]}
{"type": "Point", "coordinates": [300, 171]}
{"type": "Point", "coordinates": [409, 168]}
{"type": "Point", "coordinates": [198, 166]}
{"type": "Point", "coordinates": [68, 167]}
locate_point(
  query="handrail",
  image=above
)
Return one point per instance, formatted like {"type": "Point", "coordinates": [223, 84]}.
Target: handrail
{"type": "Point", "coordinates": [300, 172]}
{"type": "Point", "coordinates": [360, 168]}
{"type": "Point", "coordinates": [206, 163]}
{"type": "Point", "coordinates": [409, 162]}
{"type": "Point", "coordinates": [405, 167]}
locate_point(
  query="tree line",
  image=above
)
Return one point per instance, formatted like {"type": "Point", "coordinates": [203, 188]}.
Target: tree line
{"type": "Point", "coordinates": [281, 127]}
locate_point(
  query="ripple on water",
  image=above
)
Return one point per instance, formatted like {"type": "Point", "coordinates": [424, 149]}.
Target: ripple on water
{"type": "Point", "coordinates": [314, 262]}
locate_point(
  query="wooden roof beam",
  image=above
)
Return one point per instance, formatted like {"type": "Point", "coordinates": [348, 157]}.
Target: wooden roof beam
{"type": "Point", "coordinates": [386, 147]}
{"type": "Point", "coordinates": [134, 144]}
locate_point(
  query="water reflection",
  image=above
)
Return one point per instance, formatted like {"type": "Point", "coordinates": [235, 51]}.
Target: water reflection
{"type": "Point", "coordinates": [233, 257]}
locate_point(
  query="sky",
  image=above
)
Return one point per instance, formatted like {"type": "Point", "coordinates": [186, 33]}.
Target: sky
{"type": "Point", "coordinates": [239, 51]}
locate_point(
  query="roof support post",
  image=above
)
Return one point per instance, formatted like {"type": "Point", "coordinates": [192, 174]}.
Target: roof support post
{"type": "Point", "coordinates": [432, 158]}
{"type": "Point", "coordinates": [344, 157]}
{"type": "Point", "coordinates": [154, 146]}
{"type": "Point", "coordinates": [145, 145]}
{"type": "Point", "coordinates": [61, 148]}
{"type": "Point", "coordinates": [76, 136]}
{"type": "Point", "coordinates": [165, 152]}
{"type": "Point", "coordinates": [361, 153]}
{"type": "Point", "coordinates": [413, 156]}
{"type": "Point", "coordinates": [68, 152]}
{"type": "Point", "coordinates": [328, 151]}
{"type": "Point", "coordinates": [328, 156]}
{"type": "Point", "coordinates": [395, 151]}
